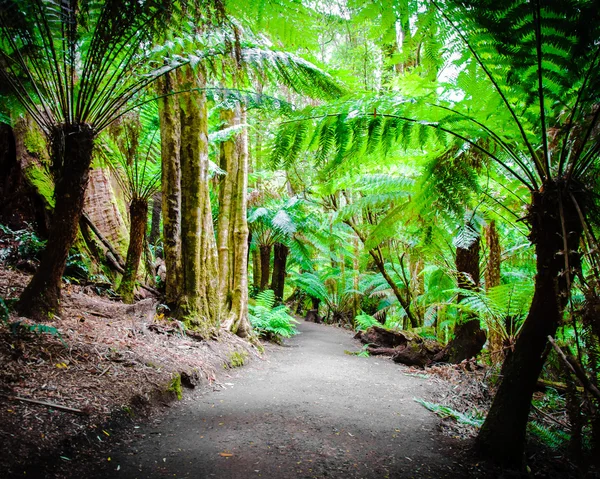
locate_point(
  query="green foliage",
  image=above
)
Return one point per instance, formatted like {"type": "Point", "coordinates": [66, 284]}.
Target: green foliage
{"type": "Point", "coordinates": [19, 326]}
{"type": "Point", "coordinates": [20, 244]}
{"type": "Point", "coordinates": [271, 322]}
{"type": "Point", "coordinates": [364, 321]}
{"type": "Point", "coordinates": [175, 387]}
{"type": "Point", "coordinates": [361, 353]}
{"type": "Point", "coordinates": [549, 436]}
{"type": "Point", "coordinates": [236, 359]}
{"type": "Point", "coordinates": [471, 419]}
{"type": "Point", "coordinates": [502, 308]}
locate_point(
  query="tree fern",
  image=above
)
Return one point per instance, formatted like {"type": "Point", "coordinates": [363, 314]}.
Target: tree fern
{"type": "Point", "coordinates": [268, 321]}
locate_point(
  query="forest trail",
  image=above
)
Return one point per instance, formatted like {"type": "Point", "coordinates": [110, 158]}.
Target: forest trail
{"type": "Point", "coordinates": [308, 411]}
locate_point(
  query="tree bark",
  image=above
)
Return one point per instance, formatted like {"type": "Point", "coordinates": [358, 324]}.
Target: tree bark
{"type": "Point", "coordinates": [256, 273]}
{"type": "Point", "coordinates": [280, 254]}
{"type": "Point", "coordinates": [170, 131]}
{"type": "Point", "coordinates": [265, 265]}
{"type": "Point", "coordinates": [469, 338]}
{"type": "Point", "coordinates": [502, 436]}
{"type": "Point", "coordinates": [198, 305]}
{"type": "Point", "coordinates": [72, 147]}
{"type": "Point", "coordinates": [155, 221]}
{"type": "Point", "coordinates": [138, 216]}
{"type": "Point", "coordinates": [233, 228]}
{"type": "Point", "coordinates": [492, 279]}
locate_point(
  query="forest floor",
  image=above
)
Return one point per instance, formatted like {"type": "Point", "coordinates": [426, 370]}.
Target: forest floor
{"type": "Point", "coordinates": [65, 390]}
{"type": "Point", "coordinates": [306, 409]}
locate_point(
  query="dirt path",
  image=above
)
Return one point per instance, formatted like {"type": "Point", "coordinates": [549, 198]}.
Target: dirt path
{"type": "Point", "coordinates": [309, 411]}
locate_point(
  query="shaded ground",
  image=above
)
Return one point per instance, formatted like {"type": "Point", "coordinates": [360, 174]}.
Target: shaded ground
{"type": "Point", "coordinates": [92, 368]}
{"type": "Point", "coordinates": [310, 410]}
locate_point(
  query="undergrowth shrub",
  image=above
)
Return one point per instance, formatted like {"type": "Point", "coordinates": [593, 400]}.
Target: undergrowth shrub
{"type": "Point", "coordinates": [273, 323]}
{"type": "Point", "coordinates": [17, 327]}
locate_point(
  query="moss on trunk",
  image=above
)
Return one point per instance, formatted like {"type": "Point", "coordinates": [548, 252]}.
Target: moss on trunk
{"type": "Point", "coordinates": [72, 154]}
{"type": "Point", "coordinates": [198, 303]}
{"type": "Point", "coordinates": [233, 227]}
{"type": "Point", "coordinates": [170, 132]}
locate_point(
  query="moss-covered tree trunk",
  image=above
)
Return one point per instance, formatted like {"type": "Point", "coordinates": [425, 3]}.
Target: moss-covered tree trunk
{"type": "Point", "coordinates": [199, 304]}
{"type": "Point", "coordinates": [138, 218]}
{"type": "Point", "coordinates": [72, 154]}
{"type": "Point", "coordinates": [502, 436]}
{"type": "Point", "coordinates": [170, 131]}
{"type": "Point", "coordinates": [233, 232]}
{"type": "Point", "coordinates": [280, 254]}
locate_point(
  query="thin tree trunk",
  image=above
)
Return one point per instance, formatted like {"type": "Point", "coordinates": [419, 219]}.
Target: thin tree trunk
{"type": "Point", "coordinates": [138, 216]}
{"type": "Point", "coordinates": [155, 221]}
{"type": "Point", "coordinates": [72, 151]}
{"type": "Point", "coordinates": [492, 279]}
{"type": "Point", "coordinates": [233, 228]}
{"type": "Point", "coordinates": [280, 254]}
{"type": "Point", "coordinates": [265, 266]}
{"type": "Point", "coordinates": [256, 273]}
{"type": "Point", "coordinates": [377, 256]}
{"type": "Point", "coordinates": [469, 338]}
{"type": "Point", "coordinates": [170, 131]}
{"type": "Point", "coordinates": [502, 436]}
{"type": "Point", "coordinates": [197, 305]}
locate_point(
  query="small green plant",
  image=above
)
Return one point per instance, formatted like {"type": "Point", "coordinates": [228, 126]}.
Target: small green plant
{"type": "Point", "coordinates": [365, 321]}
{"type": "Point", "coordinates": [270, 322]}
{"type": "Point", "coordinates": [474, 419]}
{"type": "Point", "coordinates": [175, 387]}
{"type": "Point", "coordinates": [237, 359]}
{"type": "Point", "coordinates": [362, 353]}
{"type": "Point", "coordinates": [76, 268]}
{"type": "Point", "coordinates": [19, 326]}
{"type": "Point", "coordinates": [552, 437]}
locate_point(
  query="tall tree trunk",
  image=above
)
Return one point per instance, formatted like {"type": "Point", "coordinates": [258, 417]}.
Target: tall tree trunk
{"type": "Point", "coordinates": [170, 143]}
{"type": "Point", "coordinates": [502, 436]}
{"type": "Point", "coordinates": [469, 338]}
{"type": "Point", "coordinates": [265, 265]}
{"type": "Point", "coordinates": [492, 279]}
{"type": "Point", "coordinates": [72, 154]}
{"type": "Point", "coordinates": [197, 305]}
{"type": "Point", "coordinates": [280, 254]}
{"type": "Point", "coordinates": [138, 217]}
{"type": "Point", "coordinates": [233, 227]}
{"type": "Point", "coordinates": [155, 221]}
{"type": "Point", "coordinates": [256, 273]}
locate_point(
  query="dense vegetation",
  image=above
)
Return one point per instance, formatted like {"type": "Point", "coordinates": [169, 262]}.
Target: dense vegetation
{"type": "Point", "coordinates": [428, 167]}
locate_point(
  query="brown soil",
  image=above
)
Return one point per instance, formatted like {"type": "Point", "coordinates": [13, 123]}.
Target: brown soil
{"type": "Point", "coordinates": [306, 409]}
{"type": "Point", "coordinates": [104, 362]}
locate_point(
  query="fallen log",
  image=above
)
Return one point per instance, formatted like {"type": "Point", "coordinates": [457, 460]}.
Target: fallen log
{"type": "Point", "coordinates": [403, 346]}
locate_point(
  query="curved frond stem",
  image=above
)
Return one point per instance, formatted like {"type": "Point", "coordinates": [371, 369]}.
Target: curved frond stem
{"type": "Point", "coordinates": [570, 122]}
{"type": "Point", "coordinates": [583, 161]}
{"type": "Point", "coordinates": [498, 140]}
{"type": "Point", "coordinates": [470, 142]}
{"type": "Point", "coordinates": [488, 73]}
